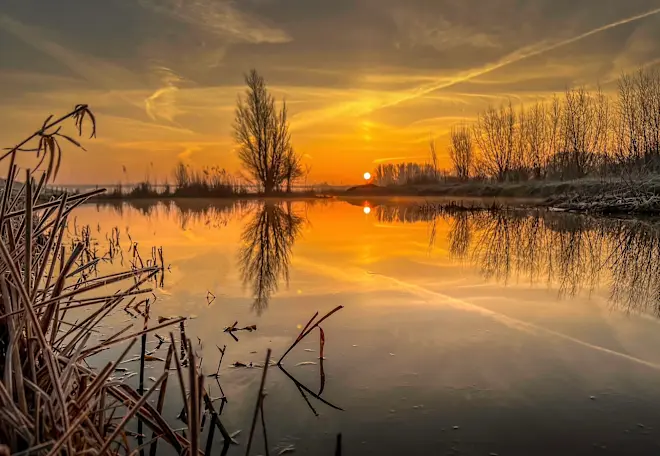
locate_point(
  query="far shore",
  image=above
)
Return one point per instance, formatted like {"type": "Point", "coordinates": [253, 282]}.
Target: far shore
{"type": "Point", "coordinates": [593, 195]}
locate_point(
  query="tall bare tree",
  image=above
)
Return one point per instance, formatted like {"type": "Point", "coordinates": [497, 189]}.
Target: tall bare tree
{"type": "Point", "coordinates": [584, 127]}
{"type": "Point", "coordinates": [494, 133]}
{"type": "Point", "coordinates": [638, 106]}
{"type": "Point", "coordinates": [461, 151]}
{"type": "Point", "coordinates": [261, 131]}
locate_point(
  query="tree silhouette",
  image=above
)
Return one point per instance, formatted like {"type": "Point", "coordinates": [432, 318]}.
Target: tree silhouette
{"type": "Point", "coordinates": [264, 141]}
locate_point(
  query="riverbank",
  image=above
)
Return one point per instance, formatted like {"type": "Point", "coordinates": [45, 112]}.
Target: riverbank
{"type": "Point", "coordinates": [604, 196]}
{"type": "Point", "coordinates": [527, 189]}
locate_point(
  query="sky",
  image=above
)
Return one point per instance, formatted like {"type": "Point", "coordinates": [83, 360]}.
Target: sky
{"type": "Point", "coordinates": [366, 81]}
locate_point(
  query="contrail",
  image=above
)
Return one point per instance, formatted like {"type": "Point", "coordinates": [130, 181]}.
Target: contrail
{"type": "Point", "coordinates": [513, 58]}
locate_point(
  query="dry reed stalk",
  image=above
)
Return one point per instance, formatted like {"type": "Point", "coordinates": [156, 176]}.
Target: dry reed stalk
{"type": "Point", "coordinates": [307, 329]}
{"type": "Point", "coordinates": [258, 406]}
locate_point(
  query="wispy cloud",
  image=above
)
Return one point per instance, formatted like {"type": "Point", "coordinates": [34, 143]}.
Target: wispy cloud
{"type": "Point", "coordinates": [419, 29]}
{"type": "Point", "coordinates": [515, 57]}
{"type": "Point", "coordinates": [221, 17]}
{"type": "Point", "coordinates": [102, 73]}
{"type": "Point", "coordinates": [162, 103]}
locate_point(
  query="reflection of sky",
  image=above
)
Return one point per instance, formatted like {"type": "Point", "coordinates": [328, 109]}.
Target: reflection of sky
{"type": "Point", "coordinates": [423, 344]}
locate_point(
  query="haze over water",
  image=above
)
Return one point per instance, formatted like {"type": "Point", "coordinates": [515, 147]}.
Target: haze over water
{"type": "Point", "coordinates": [462, 332]}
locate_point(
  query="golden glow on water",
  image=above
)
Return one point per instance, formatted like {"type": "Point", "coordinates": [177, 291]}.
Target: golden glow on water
{"type": "Point", "coordinates": [335, 250]}
{"type": "Point", "coordinates": [501, 308]}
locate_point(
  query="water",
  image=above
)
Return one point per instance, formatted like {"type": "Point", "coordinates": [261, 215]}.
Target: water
{"type": "Point", "coordinates": [463, 333]}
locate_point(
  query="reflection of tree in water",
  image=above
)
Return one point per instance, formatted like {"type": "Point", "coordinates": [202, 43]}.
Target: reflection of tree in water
{"type": "Point", "coordinates": [189, 211]}
{"type": "Point", "coordinates": [460, 235]}
{"type": "Point", "coordinates": [635, 264]}
{"type": "Point", "coordinates": [573, 252]}
{"type": "Point", "coordinates": [401, 213]}
{"type": "Point", "coordinates": [533, 246]}
{"type": "Point", "coordinates": [264, 257]}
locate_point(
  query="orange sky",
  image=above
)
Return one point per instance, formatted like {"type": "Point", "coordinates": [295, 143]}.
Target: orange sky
{"type": "Point", "coordinates": [367, 81]}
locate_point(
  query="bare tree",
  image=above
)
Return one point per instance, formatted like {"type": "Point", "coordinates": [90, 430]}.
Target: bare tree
{"type": "Point", "coordinates": [638, 106]}
{"type": "Point", "coordinates": [494, 133]}
{"type": "Point", "coordinates": [262, 134]}
{"type": "Point", "coordinates": [461, 151]}
{"type": "Point", "coordinates": [584, 126]}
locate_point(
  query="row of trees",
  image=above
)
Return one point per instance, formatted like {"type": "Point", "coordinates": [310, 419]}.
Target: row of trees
{"type": "Point", "coordinates": [405, 173]}
{"type": "Point", "coordinates": [561, 139]}
{"type": "Point", "coordinates": [261, 132]}
{"type": "Point", "coordinates": [571, 136]}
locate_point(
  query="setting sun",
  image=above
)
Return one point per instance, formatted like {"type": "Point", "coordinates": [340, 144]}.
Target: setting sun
{"type": "Point", "coordinates": [367, 176]}
{"type": "Point", "coordinates": [367, 210]}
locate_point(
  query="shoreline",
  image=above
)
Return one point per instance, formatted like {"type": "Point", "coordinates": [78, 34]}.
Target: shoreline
{"type": "Point", "coordinates": [600, 196]}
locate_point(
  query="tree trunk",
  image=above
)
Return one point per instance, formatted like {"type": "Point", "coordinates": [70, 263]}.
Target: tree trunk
{"type": "Point", "coordinates": [269, 186]}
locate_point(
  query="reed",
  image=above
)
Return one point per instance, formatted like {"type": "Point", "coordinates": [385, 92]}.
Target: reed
{"type": "Point", "coordinates": [51, 401]}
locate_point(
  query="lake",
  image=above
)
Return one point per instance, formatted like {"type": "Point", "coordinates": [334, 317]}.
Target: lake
{"type": "Point", "coordinates": [508, 332]}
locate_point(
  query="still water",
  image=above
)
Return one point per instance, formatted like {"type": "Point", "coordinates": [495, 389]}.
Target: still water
{"type": "Point", "coordinates": [519, 332]}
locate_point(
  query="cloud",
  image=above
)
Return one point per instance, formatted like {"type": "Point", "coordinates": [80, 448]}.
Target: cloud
{"type": "Point", "coordinates": [162, 103]}
{"type": "Point", "coordinates": [220, 17]}
{"type": "Point", "coordinates": [519, 55]}
{"type": "Point", "coordinates": [99, 72]}
{"type": "Point", "coordinates": [437, 32]}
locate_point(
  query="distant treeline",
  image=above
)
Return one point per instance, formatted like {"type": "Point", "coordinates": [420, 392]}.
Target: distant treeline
{"type": "Point", "coordinates": [188, 182]}
{"type": "Point", "coordinates": [574, 135]}
{"type": "Point", "coordinates": [209, 182]}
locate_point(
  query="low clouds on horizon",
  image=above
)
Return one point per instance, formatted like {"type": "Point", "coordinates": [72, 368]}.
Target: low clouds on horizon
{"type": "Point", "coordinates": [365, 79]}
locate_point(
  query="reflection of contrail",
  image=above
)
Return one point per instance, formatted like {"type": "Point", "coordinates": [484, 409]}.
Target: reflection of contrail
{"type": "Point", "coordinates": [513, 323]}
{"type": "Point", "coordinates": [514, 58]}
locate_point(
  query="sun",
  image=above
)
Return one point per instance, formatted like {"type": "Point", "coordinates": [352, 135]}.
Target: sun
{"type": "Point", "coordinates": [367, 176]}
{"type": "Point", "coordinates": [366, 210]}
